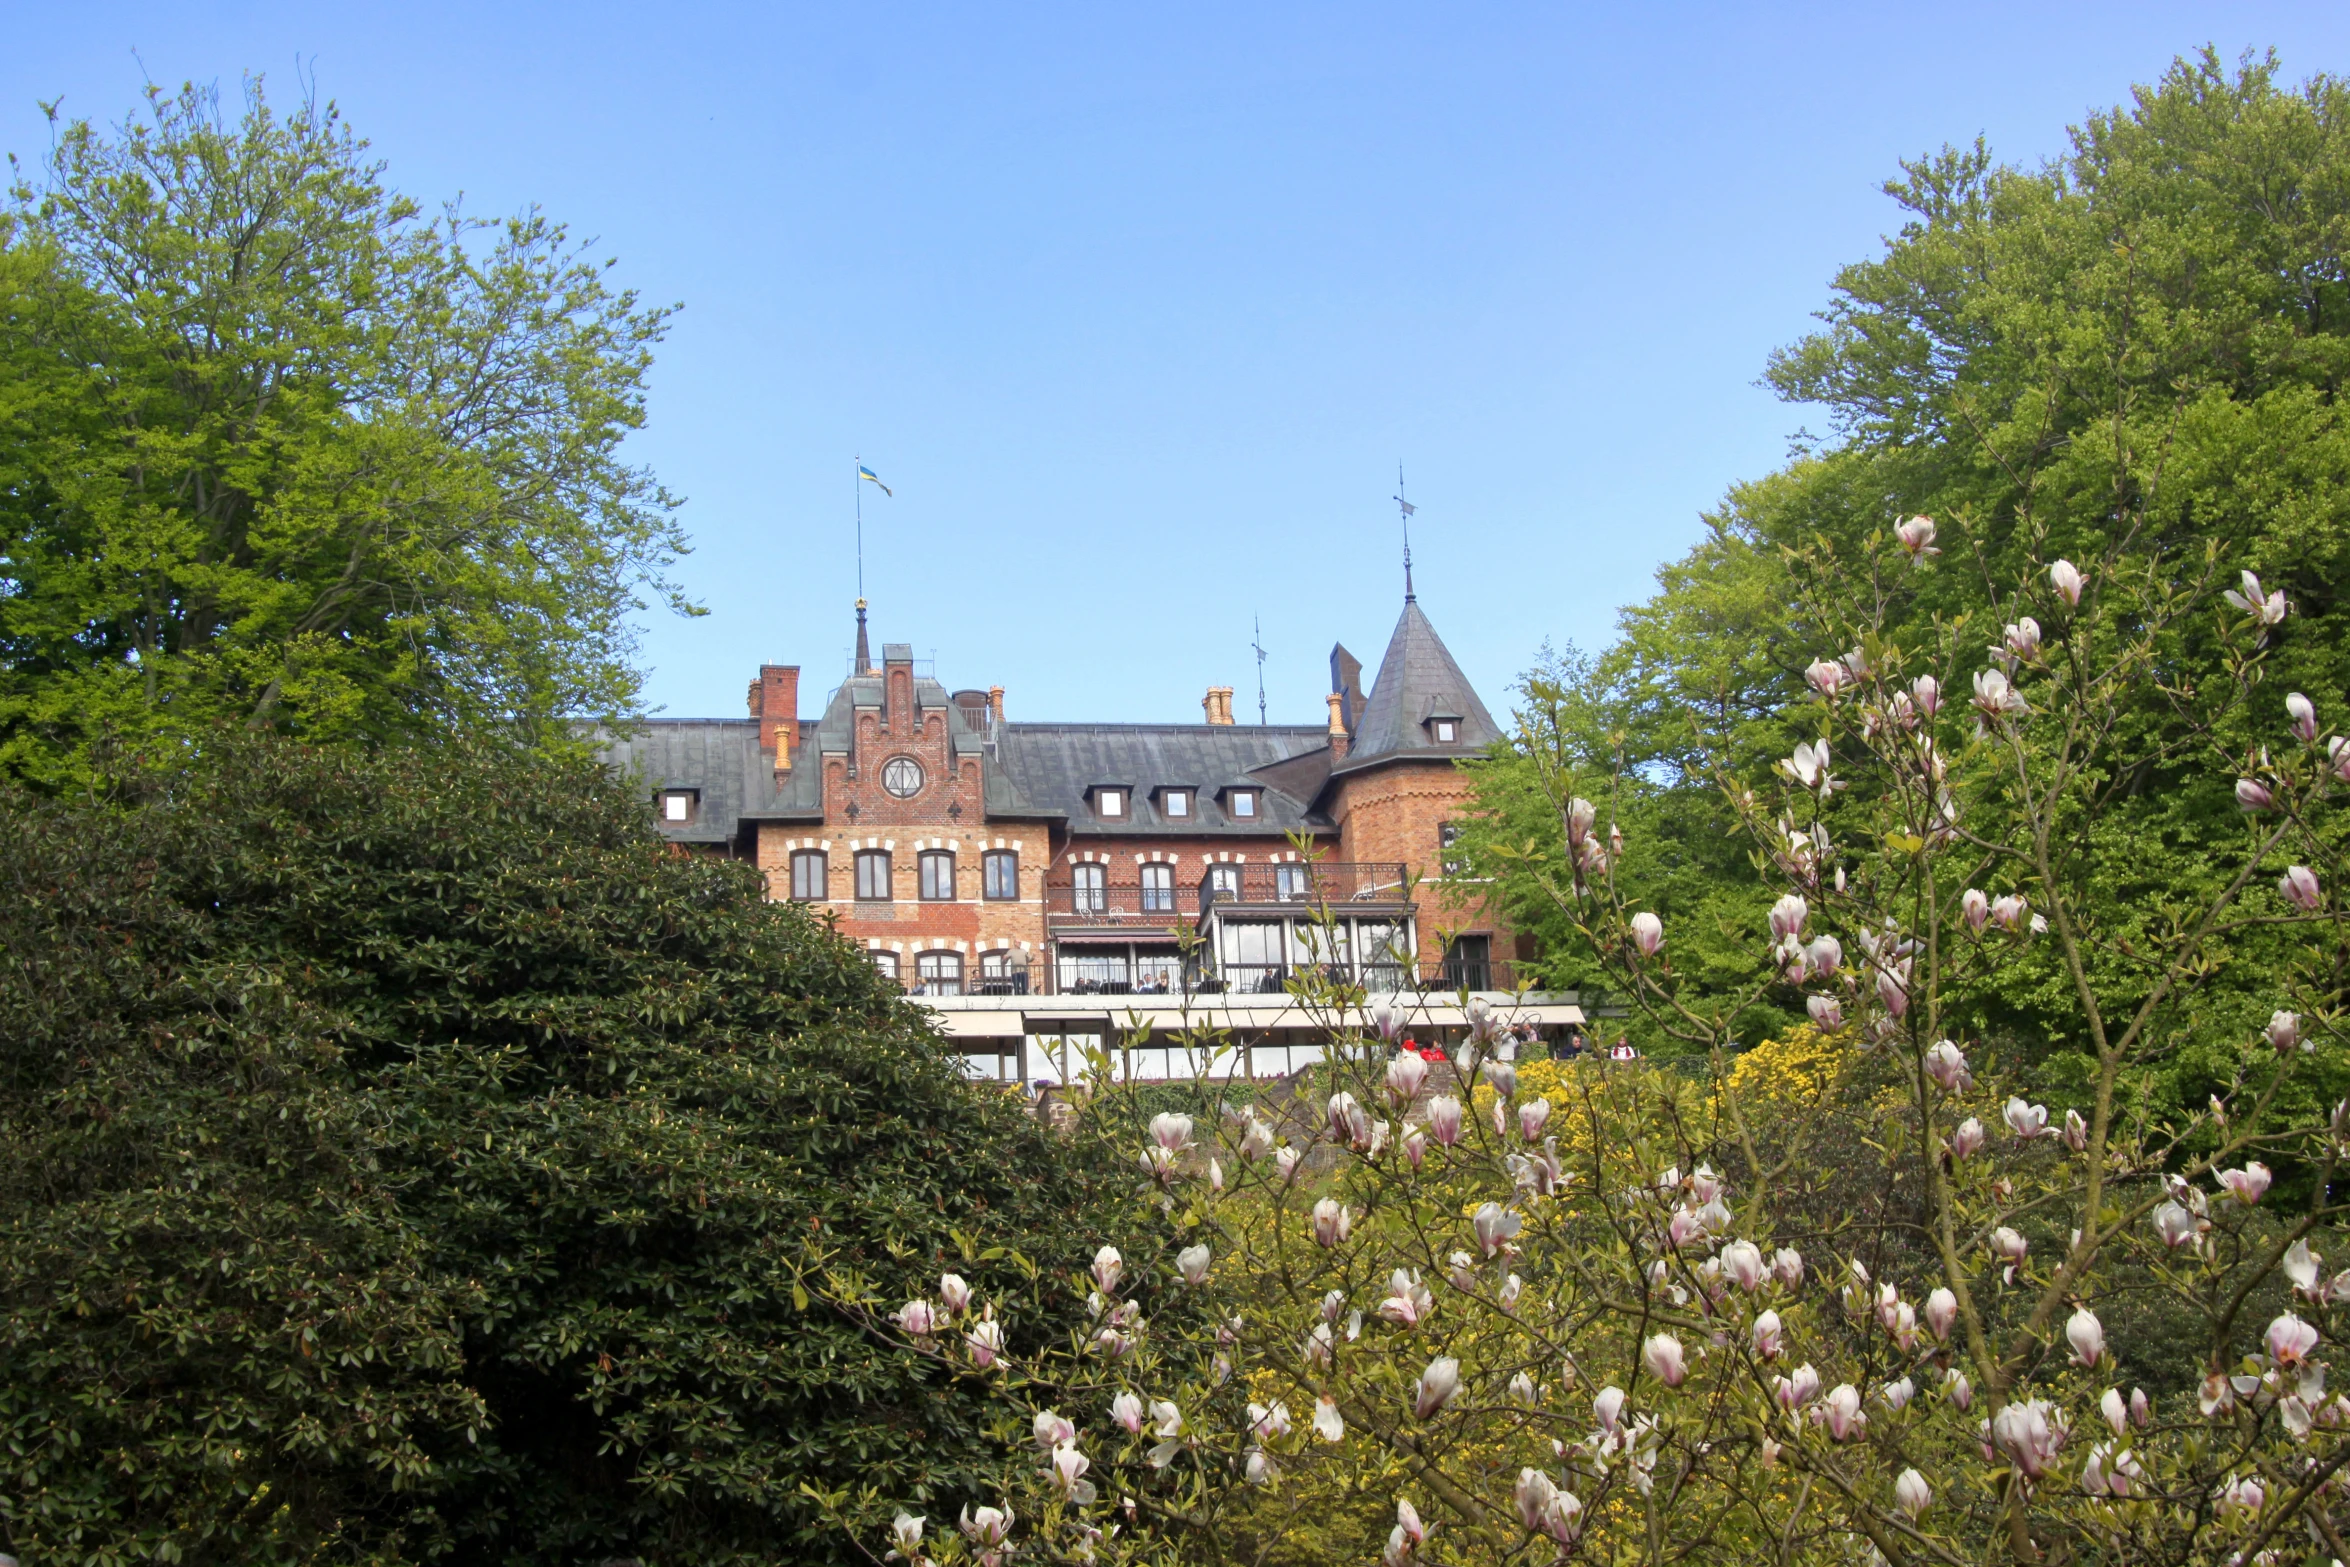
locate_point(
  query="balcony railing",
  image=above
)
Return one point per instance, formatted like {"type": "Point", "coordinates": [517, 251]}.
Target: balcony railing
{"type": "Point", "coordinates": [1311, 882]}
{"type": "Point", "coordinates": [999, 977]}
{"type": "Point", "coordinates": [1434, 976]}
{"type": "Point", "coordinates": [1115, 903]}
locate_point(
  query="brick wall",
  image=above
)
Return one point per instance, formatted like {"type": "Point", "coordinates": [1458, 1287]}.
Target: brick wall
{"type": "Point", "coordinates": [1397, 812]}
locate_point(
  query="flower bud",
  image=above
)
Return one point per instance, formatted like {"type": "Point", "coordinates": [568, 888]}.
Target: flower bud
{"type": "Point", "coordinates": [1975, 905]}
{"type": "Point", "coordinates": [1826, 1012]}
{"type": "Point", "coordinates": [2253, 795]}
{"type": "Point", "coordinates": [1331, 1221]}
{"type": "Point", "coordinates": [2304, 715]}
{"type": "Point", "coordinates": [2300, 889]}
{"type": "Point", "coordinates": [1436, 1386]}
{"type": "Point", "coordinates": [1911, 1493]}
{"type": "Point", "coordinates": [1444, 1120]}
{"type": "Point", "coordinates": [2284, 1031]}
{"type": "Point", "coordinates": [2087, 1337]}
{"type": "Point", "coordinates": [1648, 933]}
{"type": "Point", "coordinates": [1662, 1355]}
{"type": "Point", "coordinates": [2066, 578]}
{"type": "Point", "coordinates": [1946, 1064]}
{"type": "Point", "coordinates": [1770, 1336]}
{"type": "Point", "coordinates": [1967, 1141]}
{"type": "Point", "coordinates": [1941, 1312]}
{"type": "Point", "coordinates": [1192, 1263]}
{"type": "Point", "coordinates": [2076, 1131]}
{"type": "Point", "coordinates": [955, 1293]}
{"type": "Point", "coordinates": [2246, 1185]}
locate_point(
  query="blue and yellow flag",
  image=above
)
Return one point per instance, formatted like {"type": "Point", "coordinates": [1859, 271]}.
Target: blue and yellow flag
{"type": "Point", "coordinates": [864, 472]}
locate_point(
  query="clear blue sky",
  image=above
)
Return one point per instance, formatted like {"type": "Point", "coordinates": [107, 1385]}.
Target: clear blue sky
{"type": "Point", "coordinates": [1137, 307]}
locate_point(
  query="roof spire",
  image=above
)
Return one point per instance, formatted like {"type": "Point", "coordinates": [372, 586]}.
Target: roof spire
{"type": "Point", "coordinates": [864, 648]}
{"type": "Point", "coordinates": [1408, 508]}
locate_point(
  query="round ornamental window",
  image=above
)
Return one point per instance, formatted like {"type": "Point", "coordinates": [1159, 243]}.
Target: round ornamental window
{"type": "Point", "coordinates": [902, 777]}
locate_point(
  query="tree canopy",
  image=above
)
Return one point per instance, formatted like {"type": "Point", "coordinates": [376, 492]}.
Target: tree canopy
{"type": "Point", "coordinates": [410, 1158]}
{"type": "Point", "coordinates": [2139, 346]}
{"type": "Point", "coordinates": [280, 448]}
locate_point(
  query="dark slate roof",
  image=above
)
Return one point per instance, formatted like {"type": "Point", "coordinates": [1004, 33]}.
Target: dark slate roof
{"type": "Point", "coordinates": [717, 756]}
{"type": "Point", "coordinates": [1053, 766]}
{"type": "Point", "coordinates": [1417, 681]}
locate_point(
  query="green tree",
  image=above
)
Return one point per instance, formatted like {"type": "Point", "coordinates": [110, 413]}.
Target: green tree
{"type": "Point", "coordinates": [410, 1158]}
{"type": "Point", "coordinates": [277, 448]}
{"type": "Point", "coordinates": [2138, 348]}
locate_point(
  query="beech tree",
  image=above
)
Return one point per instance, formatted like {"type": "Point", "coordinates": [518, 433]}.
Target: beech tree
{"type": "Point", "coordinates": [280, 448]}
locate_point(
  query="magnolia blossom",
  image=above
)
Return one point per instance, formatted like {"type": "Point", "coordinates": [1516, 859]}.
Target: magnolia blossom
{"type": "Point", "coordinates": [1444, 1120]}
{"type": "Point", "coordinates": [2253, 795]}
{"type": "Point", "coordinates": [1946, 1064]}
{"type": "Point", "coordinates": [1742, 1262]}
{"type": "Point", "coordinates": [1916, 537]}
{"type": "Point", "coordinates": [2066, 578]}
{"type": "Point", "coordinates": [1995, 698]}
{"type": "Point", "coordinates": [1967, 1141]}
{"type": "Point", "coordinates": [1911, 1493]}
{"type": "Point", "coordinates": [2076, 1131]}
{"type": "Point", "coordinates": [1069, 1466]}
{"type": "Point", "coordinates": [1108, 1268]}
{"type": "Point", "coordinates": [2304, 715]}
{"type": "Point", "coordinates": [1192, 1263]}
{"type": "Point", "coordinates": [2087, 1337]}
{"type": "Point", "coordinates": [1349, 1123]}
{"type": "Point", "coordinates": [1332, 1220]}
{"type": "Point", "coordinates": [1808, 766]}
{"type": "Point", "coordinates": [1787, 1266]}
{"type": "Point", "coordinates": [2246, 1185]}
{"type": "Point", "coordinates": [2175, 1225]}
{"type": "Point", "coordinates": [2026, 1121]}
{"type": "Point", "coordinates": [987, 1526]}
{"type": "Point", "coordinates": [1171, 1131]}
{"type": "Point", "coordinates": [986, 1342]}
{"type": "Point", "coordinates": [1257, 1140]}
{"type": "Point", "coordinates": [2010, 1248]}
{"type": "Point", "coordinates": [1788, 915]}
{"type": "Point", "coordinates": [1840, 1412]}
{"type": "Point", "coordinates": [2284, 1030]}
{"type": "Point", "coordinates": [2025, 1434]}
{"type": "Point", "coordinates": [1415, 1145]}
{"type": "Point", "coordinates": [2242, 1496]}
{"type": "Point", "coordinates": [2268, 608]}
{"type": "Point", "coordinates": [1321, 1346]}
{"type": "Point", "coordinates": [905, 1533]}
{"type": "Point", "coordinates": [1608, 1408]}
{"type": "Point", "coordinates": [2116, 1413]}
{"type": "Point", "coordinates": [1579, 816]}
{"type": "Point", "coordinates": [1531, 1118]}
{"type": "Point", "coordinates": [1893, 989]}
{"type": "Point", "coordinates": [1975, 906]}
{"type": "Point", "coordinates": [1436, 1386]}
{"type": "Point", "coordinates": [1268, 1421]}
{"type": "Point", "coordinates": [1648, 933]}
{"type": "Point", "coordinates": [1511, 1288]}
{"type": "Point", "coordinates": [2290, 1340]}
{"type": "Point", "coordinates": [1166, 1419]}
{"type": "Point", "coordinates": [1260, 1469]}
{"type": "Point", "coordinates": [1495, 1226]}
{"type": "Point", "coordinates": [2141, 1409]}
{"type": "Point", "coordinates": [1827, 676]}
{"type": "Point", "coordinates": [1941, 1312]}
{"type": "Point", "coordinates": [1898, 1393]}
{"type": "Point", "coordinates": [918, 1317]}
{"type": "Point", "coordinates": [1662, 1355]}
{"type": "Point", "coordinates": [2022, 639]}
{"type": "Point", "coordinates": [1770, 1338]}
{"type": "Point", "coordinates": [1126, 1414]}
{"type": "Point", "coordinates": [1405, 1074]}
{"type": "Point", "coordinates": [1957, 1388]}
{"type": "Point", "coordinates": [1823, 955]}
{"type": "Point", "coordinates": [1826, 1011]}
{"type": "Point", "coordinates": [2299, 888]}
{"type": "Point", "coordinates": [954, 1293]}
{"type": "Point", "coordinates": [1407, 1533]}
{"type": "Point", "coordinates": [1408, 1300]}
{"type": "Point", "coordinates": [1796, 1389]}
{"type": "Point", "coordinates": [1329, 1425]}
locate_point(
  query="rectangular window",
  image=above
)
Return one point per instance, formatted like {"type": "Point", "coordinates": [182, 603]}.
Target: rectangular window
{"type": "Point", "coordinates": [1158, 889]}
{"type": "Point", "coordinates": [1448, 834]}
{"type": "Point", "coordinates": [1445, 731]}
{"type": "Point", "coordinates": [873, 876]}
{"type": "Point", "coordinates": [677, 805]}
{"type": "Point", "coordinates": [1109, 802]}
{"type": "Point", "coordinates": [808, 879]}
{"type": "Point", "coordinates": [1002, 869]}
{"type": "Point", "coordinates": [938, 877]}
{"type": "Point", "coordinates": [1224, 882]}
{"type": "Point", "coordinates": [1178, 802]}
{"type": "Point", "coordinates": [1292, 882]}
{"type": "Point", "coordinates": [886, 962]}
{"type": "Point", "coordinates": [1088, 889]}
{"type": "Point", "coordinates": [1244, 802]}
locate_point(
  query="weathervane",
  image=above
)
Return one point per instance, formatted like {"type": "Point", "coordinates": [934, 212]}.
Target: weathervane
{"type": "Point", "coordinates": [1407, 508]}
{"type": "Point", "coordinates": [1257, 624]}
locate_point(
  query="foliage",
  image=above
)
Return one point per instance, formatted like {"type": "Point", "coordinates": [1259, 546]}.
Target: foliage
{"type": "Point", "coordinates": [413, 1159]}
{"type": "Point", "coordinates": [277, 448]}
{"type": "Point", "coordinates": [2143, 340]}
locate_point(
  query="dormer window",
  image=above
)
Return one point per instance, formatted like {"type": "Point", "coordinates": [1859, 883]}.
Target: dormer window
{"type": "Point", "coordinates": [1243, 804]}
{"type": "Point", "coordinates": [1447, 731]}
{"type": "Point", "coordinates": [677, 806]}
{"type": "Point", "coordinates": [1176, 803]}
{"type": "Point", "coordinates": [1109, 804]}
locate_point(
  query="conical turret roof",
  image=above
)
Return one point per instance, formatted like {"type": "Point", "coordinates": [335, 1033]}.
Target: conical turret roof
{"type": "Point", "coordinates": [1418, 684]}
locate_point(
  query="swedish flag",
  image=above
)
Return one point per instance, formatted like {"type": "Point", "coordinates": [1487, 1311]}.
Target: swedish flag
{"type": "Point", "coordinates": [864, 472]}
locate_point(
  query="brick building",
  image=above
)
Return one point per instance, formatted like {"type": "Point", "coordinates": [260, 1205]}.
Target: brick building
{"type": "Point", "coordinates": [1048, 885]}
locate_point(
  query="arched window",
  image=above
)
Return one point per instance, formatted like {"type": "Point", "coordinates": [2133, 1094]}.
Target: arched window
{"type": "Point", "coordinates": [1089, 888]}
{"type": "Point", "coordinates": [941, 974]}
{"type": "Point", "coordinates": [887, 962]}
{"type": "Point", "coordinates": [1002, 868]}
{"type": "Point", "coordinates": [808, 879]}
{"type": "Point", "coordinates": [1158, 889]}
{"type": "Point", "coordinates": [873, 876]}
{"type": "Point", "coordinates": [938, 876]}
{"type": "Point", "coordinates": [1002, 974]}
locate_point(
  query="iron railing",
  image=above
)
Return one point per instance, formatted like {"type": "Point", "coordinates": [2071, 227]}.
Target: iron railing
{"type": "Point", "coordinates": [1115, 903]}
{"type": "Point", "coordinates": [1314, 883]}
{"type": "Point", "coordinates": [1434, 976]}
{"type": "Point", "coordinates": [990, 977]}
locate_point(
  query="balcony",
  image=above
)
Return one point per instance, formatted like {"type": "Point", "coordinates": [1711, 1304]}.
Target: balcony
{"type": "Point", "coordinates": [998, 977]}
{"type": "Point", "coordinates": [1433, 977]}
{"type": "Point", "coordinates": [1114, 905]}
{"type": "Point", "coordinates": [1369, 884]}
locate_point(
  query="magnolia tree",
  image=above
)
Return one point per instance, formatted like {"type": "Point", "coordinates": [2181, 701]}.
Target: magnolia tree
{"type": "Point", "coordinates": [1623, 1317]}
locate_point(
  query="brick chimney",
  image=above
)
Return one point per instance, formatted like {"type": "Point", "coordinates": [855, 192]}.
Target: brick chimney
{"type": "Point", "coordinates": [995, 702]}
{"type": "Point", "coordinates": [1338, 726]}
{"type": "Point", "coordinates": [1218, 704]}
{"type": "Point", "coordinates": [775, 703]}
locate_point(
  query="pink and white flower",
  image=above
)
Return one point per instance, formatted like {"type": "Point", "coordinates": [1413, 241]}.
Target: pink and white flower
{"type": "Point", "coordinates": [1840, 1412]}
{"type": "Point", "coordinates": [2087, 1337]}
{"type": "Point", "coordinates": [1946, 1064]}
{"type": "Point", "coordinates": [2268, 609]}
{"type": "Point", "coordinates": [1663, 1356]}
{"type": "Point", "coordinates": [2248, 1184]}
{"type": "Point", "coordinates": [1648, 933]}
{"type": "Point", "coordinates": [1770, 1336]}
{"type": "Point", "coordinates": [1436, 1386]}
{"type": "Point", "coordinates": [2066, 578]}
{"type": "Point", "coordinates": [2298, 886]}
{"type": "Point", "coordinates": [2303, 712]}
{"type": "Point", "coordinates": [1916, 537]}
{"type": "Point", "coordinates": [2290, 1340]}
{"type": "Point", "coordinates": [1332, 1221]}
{"type": "Point", "coordinates": [2026, 1121]}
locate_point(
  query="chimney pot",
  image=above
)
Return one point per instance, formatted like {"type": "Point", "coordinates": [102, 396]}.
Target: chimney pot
{"type": "Point", "coordinates": [775, 703]}
{"type": "Point", "coordinates": [995, 702]}
{"type": "Point", "coordinates": [1218, 704]}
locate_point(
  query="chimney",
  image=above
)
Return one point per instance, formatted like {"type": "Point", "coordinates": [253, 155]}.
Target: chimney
{"type": "Point", "coordinates": [775, 703]}
{"type": "Point", "coordinates": [1218, 704]}
{"type": "Point", "coordinates": [1338, 726]}
{"type": "Point", "coordinates": [995, 702]}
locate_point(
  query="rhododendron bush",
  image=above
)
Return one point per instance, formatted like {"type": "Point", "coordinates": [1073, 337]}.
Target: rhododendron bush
{"type": "Point", "coordinates": [1454, 1320]}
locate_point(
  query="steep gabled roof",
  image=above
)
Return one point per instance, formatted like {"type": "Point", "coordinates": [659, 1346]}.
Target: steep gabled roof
{"type": "Point", "coordinates": [1052, 766]}
{"type": "Point", "coordinates": [1418, 681]}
